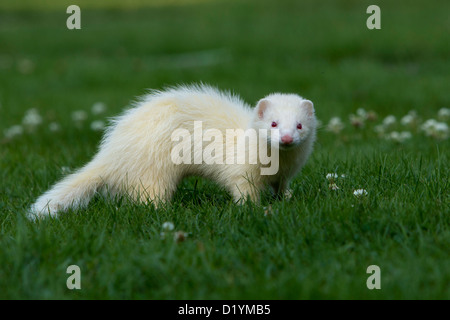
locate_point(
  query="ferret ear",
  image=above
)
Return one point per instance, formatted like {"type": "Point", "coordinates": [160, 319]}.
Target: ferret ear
{"type": "Point", "coordinates": [309, 107]}
{"type": "Point", "coordinates": [261, 107]}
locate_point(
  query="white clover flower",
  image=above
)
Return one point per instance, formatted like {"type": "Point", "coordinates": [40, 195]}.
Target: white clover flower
{"type": "Point", "coordinates": [335, 125]}
{"type": "Point", "coordinates": [180, 236]}
{"type": "Point", "coordinates": [168, 226]}
{"type": "Point", "coordinates": [407, 120]}
{"type": "Point", "coordinates": [98, 108]}
{"type": "Point", "coordinates": [435, 129]}
{"type": "Point", "coordinates": [54, 126]}
{"type": "Point", "coordinates": [343, 176]}
{"type": "Point", "coordinates": [268, 210]}
{"type": "Point", "coordinates": [405, 135]}
{"type": "Point", "coordinates": [389, 121]}
{"type": "Point", "coordinates": [97, 125]}
{"type": "Point", "coordinates": [394, 135]}
{"type": "Point", "coordinates": [444, 114]}
{"type": "Point", "coordinates": [428, 126]}
{"type": "Point", "coordinates": [361, 113]}
{"type": "Point", "coordinates": [410, 119]}
{"type": "Point", "coordinates": [441, 131]}
{"type": "Point", "coordinates": [79, 116]}
{"type": "Point", "coordinates": [333, 186]}
{"type": "Point", "coordinates": [360, 192]}
{"type": "Point", "coordinates": [399, 137]}
{"type": "Point", "coordinates": [331, 176]}
{"type": "Point", "coordinates": [32, 118]}
{"type": "Point", "coordinates": [13, 131]}
{"type": "Point", "coordinates": [356, 121]}
{"type": "Point", "coordinates": [65, 170]}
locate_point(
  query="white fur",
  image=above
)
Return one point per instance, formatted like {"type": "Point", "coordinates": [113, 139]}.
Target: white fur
{"type": "Point", "coordinates": [135, 153]}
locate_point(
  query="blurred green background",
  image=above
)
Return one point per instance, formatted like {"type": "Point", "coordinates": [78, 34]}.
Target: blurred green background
{"type": "Point", "coordinates": [322, 51]}
{"type": "Point", "coordinates": [319, 243]}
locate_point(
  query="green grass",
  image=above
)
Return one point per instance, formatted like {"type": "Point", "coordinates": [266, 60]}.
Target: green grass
{"type": "Point", "coordinates": [316, 245]}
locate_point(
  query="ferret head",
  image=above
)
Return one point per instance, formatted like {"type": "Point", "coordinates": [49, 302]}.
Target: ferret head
{"type": "Point", "coordinates": [290, 115]}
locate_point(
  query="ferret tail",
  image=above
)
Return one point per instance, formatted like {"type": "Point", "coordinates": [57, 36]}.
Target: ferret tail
{"type": "Point", "coordinates": [74, 191]}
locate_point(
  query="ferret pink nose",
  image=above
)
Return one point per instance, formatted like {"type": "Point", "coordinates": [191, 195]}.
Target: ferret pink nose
{"type": "Point", "coordinates": [286, 139]}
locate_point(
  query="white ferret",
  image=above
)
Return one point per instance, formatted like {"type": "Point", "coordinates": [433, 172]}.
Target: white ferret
{"type": "Point", "coordinates": [136, 156]}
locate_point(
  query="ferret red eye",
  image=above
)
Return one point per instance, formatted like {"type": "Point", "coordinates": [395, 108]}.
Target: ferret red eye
{"type": "Point", "coordinates": [299, 126]}
{"type": "Point", "coordinates": [274, 124]}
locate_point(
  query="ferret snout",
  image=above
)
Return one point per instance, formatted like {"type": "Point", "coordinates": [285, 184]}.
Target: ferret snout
{"type": "Point", "coordinates": [287, 139]}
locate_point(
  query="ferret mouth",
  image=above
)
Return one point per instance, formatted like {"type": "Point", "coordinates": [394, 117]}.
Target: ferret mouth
{"type": "Point", "coordinates": [288, 146]}
{"type": "Point", "coordinates": [285, 146]}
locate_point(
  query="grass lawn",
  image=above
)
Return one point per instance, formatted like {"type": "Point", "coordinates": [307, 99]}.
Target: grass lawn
{"type": "Point", "coordinates": [316, 245]}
